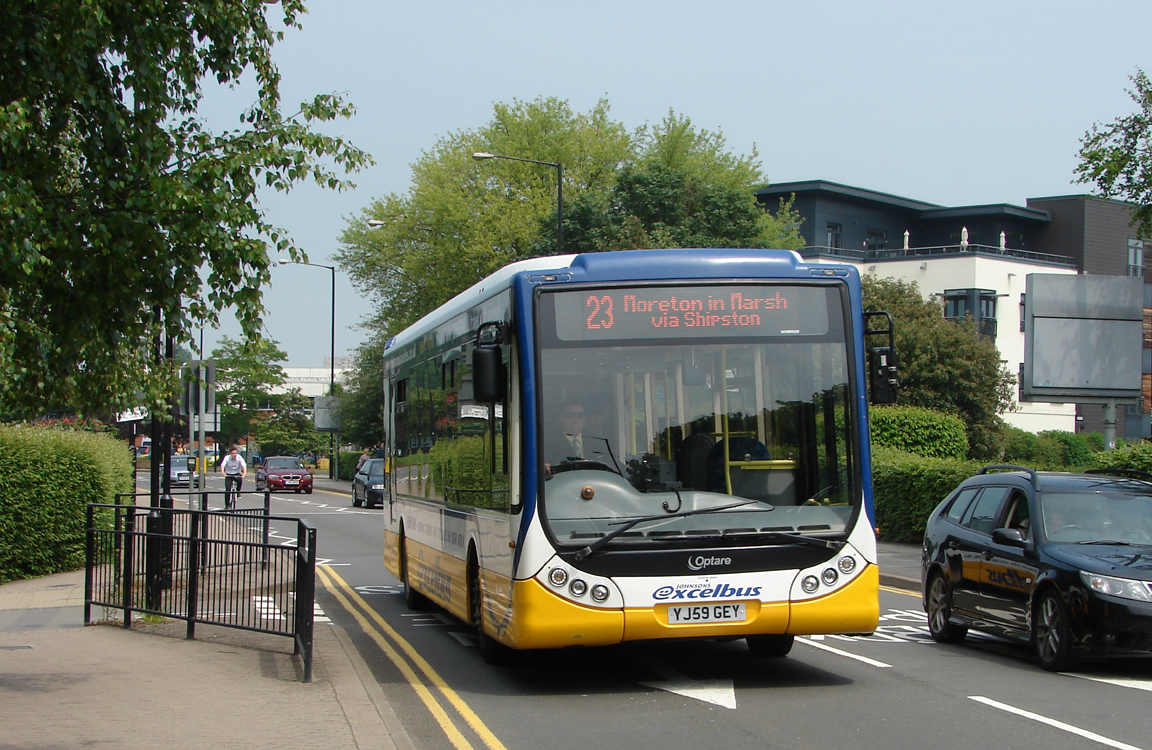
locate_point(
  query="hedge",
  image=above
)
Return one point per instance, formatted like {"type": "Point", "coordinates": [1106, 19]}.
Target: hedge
{"type": "Point", "coordinates": [47, 478]}
{"type": "Point", "coordinates": [346, 469]}
{"type": "Point", "coordinates": [920, 431]}
{"type": "Point", "coordinates": [906, 488]}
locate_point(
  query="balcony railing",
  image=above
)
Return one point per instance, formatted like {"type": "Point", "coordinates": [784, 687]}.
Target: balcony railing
{"type": "Point", "coordinates": [937, 250]}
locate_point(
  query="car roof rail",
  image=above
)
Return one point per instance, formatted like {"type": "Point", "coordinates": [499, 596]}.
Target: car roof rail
{"type": "Point", "coordinates": [1032, 475]}
{"type": "Point", "coordinates": [1128, 473]}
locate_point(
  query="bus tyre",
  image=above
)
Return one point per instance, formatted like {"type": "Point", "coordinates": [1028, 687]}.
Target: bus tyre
{"type": "Point", "coordinates": [773, 646]}
{"type": "Point", "coordinates": [491, 650]}
{"type": "Point", "coordinates": [413, 598]}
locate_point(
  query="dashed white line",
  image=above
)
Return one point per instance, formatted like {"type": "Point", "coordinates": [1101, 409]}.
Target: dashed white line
{"type": "Point", "coordinates": [838, 652]}
{"type": "Point", "coordinates": [1054, 723]}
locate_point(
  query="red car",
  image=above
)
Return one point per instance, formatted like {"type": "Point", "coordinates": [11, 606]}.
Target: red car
{"type": "Point", "coordinates": [283, 474]}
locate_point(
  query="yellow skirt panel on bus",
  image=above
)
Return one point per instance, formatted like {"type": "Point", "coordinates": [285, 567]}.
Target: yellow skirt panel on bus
{"type": "Point", "coordinates": [853, 609]}
{"type": "Point", "coordinates": [392, 553]}
{"type": "Point", "coordinates": [759, 617]}
{"type": "Point", "coordinates": [541, 619]}
{"type": "Point", "coordinates": [439, 576]}
{"type": "Point", "coordinates": [497, 601]}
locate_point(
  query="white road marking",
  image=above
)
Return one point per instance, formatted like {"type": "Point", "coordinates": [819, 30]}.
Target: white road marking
{"type": "Point", "coordinates": [865, 659]}
{"type": "Point", "coordinates": [1054, 723]}
{"type": "Point", "coordinates": [716, 692]}
{"type": "Point", "coordinates": [1136, 684]}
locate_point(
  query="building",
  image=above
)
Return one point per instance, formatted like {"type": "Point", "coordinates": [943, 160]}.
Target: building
{"type": "Point", "coordinates": [314, 381]}
{"type": "Point", "coordinates": [974, 259]}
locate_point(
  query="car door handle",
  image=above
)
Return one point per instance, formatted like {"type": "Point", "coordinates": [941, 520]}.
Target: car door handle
{"type": "Point", "coordinates": [988, 554]}
{"type": "Point", "coordinates": [953, 545]}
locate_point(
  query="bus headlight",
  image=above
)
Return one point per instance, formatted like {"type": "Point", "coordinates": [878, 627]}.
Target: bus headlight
{"type": "Point", "coordinates": [810, 584]}
{"type": "Point", "coordinates": [847, 564]}
{"type": "Point", "coordinates": [600, 592]}
{"type": "Point", "coordinates": [558, 577]}
{"type": "Point", "coordinates": [578, 587]}
{"type": "Point", "coordinates": [829, 576]}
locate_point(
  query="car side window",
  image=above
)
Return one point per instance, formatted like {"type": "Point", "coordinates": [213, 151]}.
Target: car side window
{"type": "Point", "coordinates": [981, 515]}
{"type": "Point", "coordinates": [1018, 516]}
{"type": "Point", "coordinates": [960, 504]}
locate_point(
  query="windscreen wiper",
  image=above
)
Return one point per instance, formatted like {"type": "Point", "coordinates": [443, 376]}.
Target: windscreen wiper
{"type": "Point", "coordinates": [626, 525]}
{"type": "Point", "coordinates": [811, 541]}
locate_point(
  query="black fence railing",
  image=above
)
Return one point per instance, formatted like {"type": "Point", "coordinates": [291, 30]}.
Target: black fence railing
{"type": "Point", "coordinates": [202, 566]}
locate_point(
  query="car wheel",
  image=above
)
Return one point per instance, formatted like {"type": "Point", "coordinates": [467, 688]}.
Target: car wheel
{"type": "Point", "coordinates": [1052, 634]}
{"type": "Point", "coordinates": [308, 491]}
{"type": "Point", "coordinates": [942, 629]}
{"type": "Point", "coordinates": [774, 646]}
{"type": "Point", "coordinates": [356, 502]}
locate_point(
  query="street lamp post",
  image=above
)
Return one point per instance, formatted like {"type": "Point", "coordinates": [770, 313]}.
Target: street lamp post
{"type": "Point", "coordinates": [332, 463]}
{"type": "Point", "coordinates": [484, 156]}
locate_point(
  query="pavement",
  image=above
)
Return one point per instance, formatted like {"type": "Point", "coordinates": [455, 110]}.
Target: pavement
{"type": "Point", "coordinates": [63, 685]}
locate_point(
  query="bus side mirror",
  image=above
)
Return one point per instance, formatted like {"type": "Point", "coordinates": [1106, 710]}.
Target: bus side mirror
{"type": "Point", "coordinates": [882, 374]}
{"type": "Point", "coordinates": [488, 378]}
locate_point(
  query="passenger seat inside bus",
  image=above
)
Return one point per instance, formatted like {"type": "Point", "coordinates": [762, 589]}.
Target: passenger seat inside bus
{"type": "Point", "coordinates": [768, 485]}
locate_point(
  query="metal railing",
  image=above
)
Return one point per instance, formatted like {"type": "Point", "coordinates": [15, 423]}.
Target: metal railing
{"type": "Point", "coordinates": [864, 255]}
{"type": "Point", "coordinates": [202, 566]}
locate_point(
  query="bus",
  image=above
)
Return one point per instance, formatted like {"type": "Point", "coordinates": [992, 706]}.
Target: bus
{"type": "Point", "coordinates": [590, 449]}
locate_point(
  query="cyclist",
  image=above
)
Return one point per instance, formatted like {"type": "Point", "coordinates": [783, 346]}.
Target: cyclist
{"type": "Point", "coordinates": [233, 470]}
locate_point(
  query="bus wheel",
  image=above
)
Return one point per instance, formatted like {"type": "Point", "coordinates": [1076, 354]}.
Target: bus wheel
{"type": "Point", "coordinates": [770, 645]}
{"type": "Point", "coordinates": [413, 598]}
{"type": "Point", "coordinates": [491, 650]}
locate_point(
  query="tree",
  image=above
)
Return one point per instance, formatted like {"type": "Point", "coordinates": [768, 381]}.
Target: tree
{"type": "Point", "coordinates": [361, 408]}
{"type": "Point", "coordinates": [671, 185]}
{"type": "Point", "coordinates": [246, 373]}
{"type": "Point", "coordinates": [290, 429]}
{"type": "Point", "coordinates": [124, 219]}
{"type": "Point", "coordinates": [945, 365]}
{"type": "Point", "coordinates": [1117, 158]}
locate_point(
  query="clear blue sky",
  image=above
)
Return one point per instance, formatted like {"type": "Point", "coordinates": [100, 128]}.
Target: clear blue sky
{"type": "Point", "coordinates": [951, 103]}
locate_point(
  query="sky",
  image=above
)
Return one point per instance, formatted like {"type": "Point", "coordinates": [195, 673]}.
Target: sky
{"type": "Point", "coordinates": [955, 103]}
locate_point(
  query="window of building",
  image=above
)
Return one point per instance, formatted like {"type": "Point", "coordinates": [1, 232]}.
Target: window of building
{"type": "Point", "coordinates": [977, 304]}
{"type": "Point", "coordinates": [1135, 257]}
{"type": "Point", "coordinates": [835, 235]}
{"type": "Point", "coordinates": [877, 239]}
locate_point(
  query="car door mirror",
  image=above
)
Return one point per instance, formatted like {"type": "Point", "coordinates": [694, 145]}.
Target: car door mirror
{"type": "Point", "coordinates": [1009, 537]}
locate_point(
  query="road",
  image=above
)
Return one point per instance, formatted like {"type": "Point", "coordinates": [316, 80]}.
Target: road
{"type": "Point", "coordinates": [896, 689]}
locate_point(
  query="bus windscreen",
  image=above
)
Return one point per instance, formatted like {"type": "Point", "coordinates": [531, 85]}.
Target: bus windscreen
{"type": "Point", "coordinates": [688, 312]}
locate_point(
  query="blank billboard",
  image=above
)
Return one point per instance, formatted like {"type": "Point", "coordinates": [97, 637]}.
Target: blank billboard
{"type": "Point", "coordinates": [1083, 338]}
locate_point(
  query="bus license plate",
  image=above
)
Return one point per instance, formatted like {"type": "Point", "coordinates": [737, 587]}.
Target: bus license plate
{"type": "Point", "coordinates": [730, 612]}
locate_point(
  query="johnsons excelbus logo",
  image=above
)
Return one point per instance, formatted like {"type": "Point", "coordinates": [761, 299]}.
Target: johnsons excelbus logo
{"type": "Point", "coordinates": [700, 562]}
{"type": "Point", "coordinates": [704, 591]}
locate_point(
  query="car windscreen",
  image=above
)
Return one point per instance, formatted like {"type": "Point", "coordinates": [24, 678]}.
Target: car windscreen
{"type": "Point", "coordinates": [1097, 516]}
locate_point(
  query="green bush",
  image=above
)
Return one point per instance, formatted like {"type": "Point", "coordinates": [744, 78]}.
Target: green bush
{"type": "Point", "coordinates": [906, 488]}
{"type": "Point", "coordinates": [1095, 441]}
{"type": "Point", "coordinates": [1138, 457]}
{"type": "Point", "coordinates": [1038, 451]}
{"type": "Point", "coordinates": [346, 468]}
{"type": "Point", "coordinates": [921, 431]}
{"type": "Point", "coordinates": [1075, 449]}
{"type": "Point", "coordinates": [47, 478]}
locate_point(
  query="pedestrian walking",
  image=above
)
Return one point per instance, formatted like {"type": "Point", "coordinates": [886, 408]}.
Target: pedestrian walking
{"type": "Point", "coordinates": [233, 469]}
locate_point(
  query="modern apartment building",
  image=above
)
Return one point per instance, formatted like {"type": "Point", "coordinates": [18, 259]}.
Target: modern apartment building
{"type": "Point", "coordinates": [974, 260]}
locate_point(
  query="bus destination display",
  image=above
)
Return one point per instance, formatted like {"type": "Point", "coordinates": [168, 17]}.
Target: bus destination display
{"type": "Point", "coordinates": [691, 312]}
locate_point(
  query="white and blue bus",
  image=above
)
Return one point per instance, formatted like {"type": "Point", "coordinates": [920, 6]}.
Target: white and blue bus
{"type": "Point", "coordinates": [650, 444]}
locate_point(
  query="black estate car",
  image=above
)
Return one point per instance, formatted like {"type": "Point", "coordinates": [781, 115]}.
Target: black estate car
{"type": "Point", "coordinates": [368, 484]}
{"type": "Point", "coordinates": [1063, 561]}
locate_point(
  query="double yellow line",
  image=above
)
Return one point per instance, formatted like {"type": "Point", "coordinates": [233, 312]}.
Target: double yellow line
{"type": "Point", "coordinates": [428, 687]}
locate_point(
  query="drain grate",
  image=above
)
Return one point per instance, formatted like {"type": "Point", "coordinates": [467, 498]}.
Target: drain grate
{"type": "Point", "coordinates": [14, 648]}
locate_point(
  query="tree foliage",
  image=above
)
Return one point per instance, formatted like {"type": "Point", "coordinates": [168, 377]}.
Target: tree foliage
{"type": "Point", "coordinates": [289, 429]}
{"type": "Point", "coordinates": [122, 217]}
{"type": "Point", "coordinates": [361, 408]}
{"type": "Point", "coordinates": [671, 185]}
{"type": "Point", "coordinates": [1117, 157]}
{"type": "Point", "coordinates": [944, 365]}
{"type": "Point", "coordinates": [246, 374]}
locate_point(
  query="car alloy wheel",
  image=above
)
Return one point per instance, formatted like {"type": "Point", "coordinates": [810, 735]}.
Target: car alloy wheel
{"type": "Point", "coordinates": [1053, 635]}
{"type": "Point", "coordinates": [941, 627]}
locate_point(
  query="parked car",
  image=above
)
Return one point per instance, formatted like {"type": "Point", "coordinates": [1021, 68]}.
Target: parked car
{"type": "Point", "coordinates": [1062, 561]}
{"type": "Point", "coordinates": [368, 484]}
{"type": "Point", "coordinates": [282, 474]}
{"type": "Point", "coordinates": [180, 471]}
